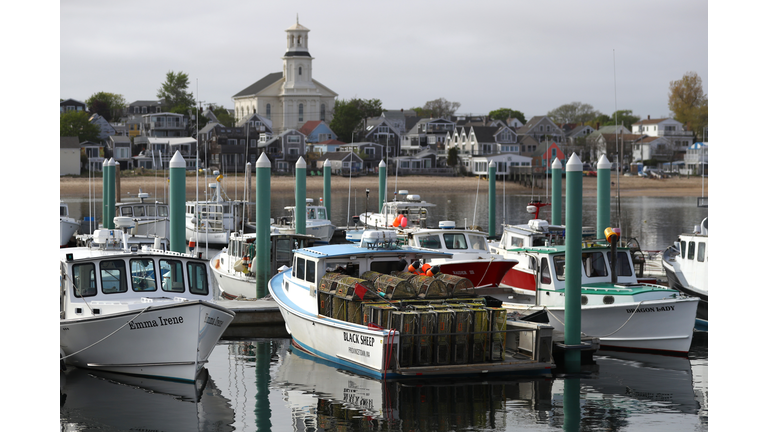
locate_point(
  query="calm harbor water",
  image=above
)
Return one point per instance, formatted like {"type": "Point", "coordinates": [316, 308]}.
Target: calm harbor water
{"type": "Point", "coordinates": [654, 221]}
{"type": "Point", "coordinates": [263, 385]}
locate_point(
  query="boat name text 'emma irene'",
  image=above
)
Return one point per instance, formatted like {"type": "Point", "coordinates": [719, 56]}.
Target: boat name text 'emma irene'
{"type": "Point", "coordinates": [358, 339]}
{"type": "Point", "coordinates": [651, 309]}
{"type": "Point", "coordinates": [153, 323]}
{"type": "Point", "coordinates": [213, 320]}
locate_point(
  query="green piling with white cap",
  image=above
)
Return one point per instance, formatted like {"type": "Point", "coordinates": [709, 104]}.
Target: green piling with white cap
{"type": "Point", "coordinates": [300, 211]}
{"type": "Point", "coordinates": [263, 207]}
{"type": "Point", "coordinates": [104, 192]}
{"type": "Point", "coordinates": [178, 199]}
{"type": "Point", "coordinates": [382, 184]}
{"type": "Point", "coordinates": [557, 192]}
{"type": "Point", "coordinates": [573, 215]}
{"type": "Point", "coordinates": [110, 217]}
{"type": "Point", "coordinates": [492, 200]}
{"type": "Point", "coordinates": [603, 196]}
{"type": "Point", "coordinates": [327, 187]}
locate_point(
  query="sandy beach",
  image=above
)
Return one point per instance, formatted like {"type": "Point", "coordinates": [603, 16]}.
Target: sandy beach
{"type": "Point", "coordinates": [629, 185]}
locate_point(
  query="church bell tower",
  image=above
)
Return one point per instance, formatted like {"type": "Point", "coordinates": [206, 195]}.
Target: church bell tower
{"type": "Point", "coordinates": [297, 63]}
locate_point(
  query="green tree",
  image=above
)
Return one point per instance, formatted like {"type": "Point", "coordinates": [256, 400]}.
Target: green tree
{"type": "Point", "coordinates": [506, 113]}
{"type": "Point", "coordinates": [689, 103]}
{"type": "Point", "coordinates": [75, 123]}
{"type": "Point", "coordinates": [173, 92]}
{"type": "Point", "coordinates": [440, 108]}
{"type": "Point", "coordinates": [574, 112]}
{"type": "Point", "coordinates": [348, 116]}
{"type": "Point", "coordinates": [622, 117]}
{"type": "Point", "coordinates": [453, 156]}
{"type": "Point", "coordinates": [108, 105]}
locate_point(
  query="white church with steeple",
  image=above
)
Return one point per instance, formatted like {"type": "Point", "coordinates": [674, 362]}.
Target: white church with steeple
{"type": "Point", "coordinates": [292, 97]}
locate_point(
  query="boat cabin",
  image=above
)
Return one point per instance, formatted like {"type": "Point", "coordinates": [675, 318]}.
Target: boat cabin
{"type": "Point", "coordinates": [98, 282]}
{"type": "Point", "coordinates": [447, 239]}
{"type": "Point", "coordinates": [143, 211]}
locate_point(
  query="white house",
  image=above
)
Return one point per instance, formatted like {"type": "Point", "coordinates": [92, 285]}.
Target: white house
{"type": "Point", "coordinates": [69, 156]}
{"type": "Point", "coordinates": [291, 97]}
{"type": "Point", "coordinates": [696, 159]}
{"type": "Point", "coordinates": [678, 140]}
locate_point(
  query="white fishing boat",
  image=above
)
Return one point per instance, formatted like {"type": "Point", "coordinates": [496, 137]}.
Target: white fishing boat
{"type": "Point", "coordinates": [622, 312]}
{"type": "Point", "coordinates": [470, 257]}
{"type": "Point", "coordinates": [138, 311]}
{"type": "Point", "coordinates": [317, 222]}
{"type": "Point", "coordinates": [685, 264]}
{"type": "Point", "coordinates": [342, 304]}
{"type": "Point", "coordinates": [409, 212]}
{"type": "Point", "coordinates": [67, 226]}
{"type": "Point", "coordinates": [233, 266]}
{"type": "Point", "coordinates": [212, 221]}
{"type": "Point", "coordinates": [150, 218]}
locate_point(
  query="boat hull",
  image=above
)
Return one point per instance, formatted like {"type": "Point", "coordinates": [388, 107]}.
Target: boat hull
{"type": "Point", "coordinates": [323, 232]}
{"type": "Point", "coordinates": [67, 228]}
{"type": "Point", "coordinates": [654, 325]}
{"type": "Point", "coordinates": [481, 273]}
{"type": "Point", "coordinates": [232, 284]}
{"type": "Point", "coordinates": [170, 341]}
{"type": "Point", "coordinates": [676, 280]}
{"type": "Point", "coordinates": [214, 237]}
{"type": "Point", "coordinates": [361, 349]}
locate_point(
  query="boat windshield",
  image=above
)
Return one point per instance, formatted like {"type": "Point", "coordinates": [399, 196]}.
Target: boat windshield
{"type": "Point", "coordinates": [455, 241]}
{"type": "Point", "coordinates": [431, 241]}
{"type": "Point", "coordinates": [623, 267]}
{"type": "Point", "coordinates": [559, 262]}
{"type": "Point", "coordinates": [594, 264]}
{"type": "Point", "coordinates": [478, 242]}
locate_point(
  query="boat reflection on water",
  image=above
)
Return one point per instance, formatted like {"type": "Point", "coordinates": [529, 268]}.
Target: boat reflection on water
{"type": "Point", "coordinates": [617, 391]}
{"type": "Point", "coordinates": [106, 401]}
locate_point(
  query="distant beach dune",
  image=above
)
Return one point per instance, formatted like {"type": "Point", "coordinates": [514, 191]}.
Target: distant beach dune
{"type": "Point", "coordinates": [630, 185]}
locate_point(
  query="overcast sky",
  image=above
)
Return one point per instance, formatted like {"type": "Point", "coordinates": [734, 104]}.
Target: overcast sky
{"type": "Point", "coordinates": [525, 55]}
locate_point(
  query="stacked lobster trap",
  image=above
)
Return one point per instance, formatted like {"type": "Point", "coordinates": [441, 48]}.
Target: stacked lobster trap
{"type": "Point", "coordinates": [439, 319]}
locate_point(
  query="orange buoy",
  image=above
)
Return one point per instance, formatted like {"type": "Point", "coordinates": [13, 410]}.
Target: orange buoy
{"type": "Point", "coordinates": [397, 221]}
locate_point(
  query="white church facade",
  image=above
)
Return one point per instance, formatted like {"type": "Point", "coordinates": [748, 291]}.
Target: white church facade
{"type": "Point", "coordinates": [292, 97]}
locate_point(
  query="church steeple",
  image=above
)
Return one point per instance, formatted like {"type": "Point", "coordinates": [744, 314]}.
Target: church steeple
{"type": "Point", "coordinates": [297, 62]}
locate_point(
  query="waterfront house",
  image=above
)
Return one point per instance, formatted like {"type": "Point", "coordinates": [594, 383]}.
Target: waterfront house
{"type": "Point", "coordinates": [161, 150]}
{"type": "Point", "coordinates": [597, 142]}
{"type": "Point", "coordinates": [423, 163]}
{"type": "Point", "coordinates": [696, 159]}
{"type": "Point", "coordinates": [94, 155]}
{"type": "Point", "coordinates": [483, 140]}
{"type": "Point", "coordinates": [678, 140]}
{"type": "Point", "coordinates": [317, 131]}
{"type": "Point", "coordinates": [651, 147]}
{"type": "Point", "coordinates": [69, 156]}
{"type": "Point", "coordinates": [106, 130]}
{"type": "Point", "coordinates": [541, 128]}
{"type": "Point", "coordinates": [341, 163]}
{"type": "Point", "coordinates": [506, 164]}
{"type": "Point", "coordinates": [284, 150]}
{"type": "Point", "coordinates": [328, 146]}
{"type": "Point", "coordinates": [427, 133]}
{"type": "Point", "coordinates": [386, 132]}
{"type": "Point", "coordinates": [120, 147]}
{"type": "Point", "coordinates": [71, 105]}
{"type": "Point", "coordinates": [371, 153]}
{"type": "Point", "coordinates": [545, 154]}
{"type": "Point", "coordinates": [141, 107]}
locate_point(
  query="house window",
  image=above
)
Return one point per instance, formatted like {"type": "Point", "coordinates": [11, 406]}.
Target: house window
{"type": "Point", "coordinates": [143, 110]}
{"type": "Point", "coordinates": [232, 141]}
{"type": "Point", "coordinates": [269, 111]}
{"type": "Point", "coordinates": [301, 111]}
{"type": "Point", "coordinates": [369, 151]}
{"type": "Point", "coordinates": [253, 143]}
{"type": "Point", "coordinates": [405, 164]}
{"type": "Point", "coordinates": [322, 112]}
{"type": "Point", "coordinates": [299, 44]}
{"type": "Point", "coordinates": [294, 139]}
{"type": "Point", "coordinates": [293, 151]}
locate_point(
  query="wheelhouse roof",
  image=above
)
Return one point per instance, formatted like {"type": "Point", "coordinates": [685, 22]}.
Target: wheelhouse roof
{"type": "Point", "coordinates": [344, 250]}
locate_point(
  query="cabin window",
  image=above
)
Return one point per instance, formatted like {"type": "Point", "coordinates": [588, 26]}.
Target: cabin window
{"type": "Point", "coordinates": [623, 267]}
{"type": "Point", "coordinates": [321, 213]}
{"type": "Point", "coordinates": [143, 275]}
{"type": "Point", "coordinates": [455, 241]}
{"type": "Point", "coordinates": [151, 211]}
{"type": "Point", "coordinates": [171, 275]}
{"type": "Point", "coordinates": [691, 250]}
{"type": "Point", "coordinates": [478, 242]}
{"type": "Point", "coordinates": [283, 249]}
{"type": "Point", "coordinates": [138, 211]}
{"type": "Point", "coordinates": [429, 241]}
{"type": "Point", "coordinates": [162, 211]}
{"type": "Point", "coordinates": [682, 249]}
{"type": "Point", "coordinates": [113, 279]}
{"type": "Point", "coordinates": [310, 271]}
{"type": "Point", "coordinates": [559, 262]}
{"type": "Point", "coordinates": [546, 277]}
{"type": "Point", "coordinates": [84, 280]}
{"type": "Point", "coordinates": [385, 267]}
{"type": "Point", "coordinates": [594, 264]}
{"type": "Point", "coordinates": [299, 269]}
{"type": "Point", "coordinates": [126, 211]}
{"type": "Point", "coordinates": [702, 249]}
{"type": "Point", "coordinates": [198, 278]}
